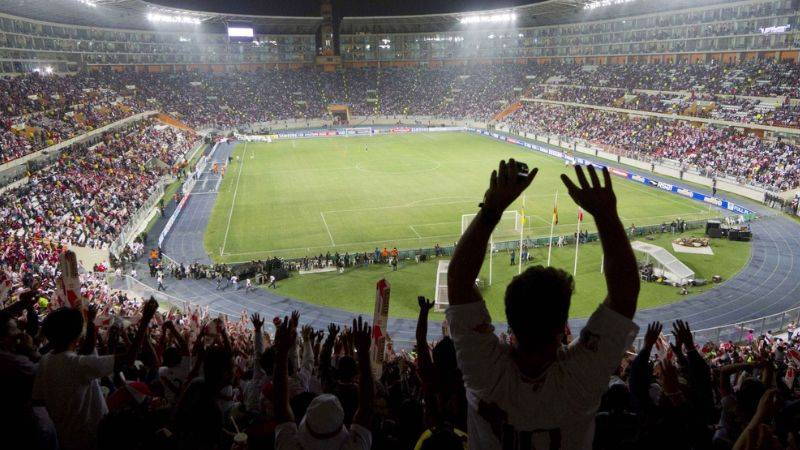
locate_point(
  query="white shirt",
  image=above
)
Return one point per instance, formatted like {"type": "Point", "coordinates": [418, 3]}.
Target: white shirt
{"type": "Point", "coordinates": [67, 384]}
{"type": "Point", "coordinates": [287, 437]}
{"type": "Point", "coordinates": [177, 376]}
{"type": "Point", "coordinates": [558, 405]}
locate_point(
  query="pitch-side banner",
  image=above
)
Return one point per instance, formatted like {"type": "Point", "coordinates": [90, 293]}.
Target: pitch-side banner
{"type": "Point", "coordinates": [379, 319]}
{"type": "Point", "coordinates": [724, 204]}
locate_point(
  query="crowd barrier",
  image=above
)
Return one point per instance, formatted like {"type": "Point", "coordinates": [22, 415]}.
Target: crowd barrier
{"type": "Point", "coordinates": [128, 234]}
{"type": "Point", "coordinates": [139, 220]}
{"type": "Point", "coordinates": [736, 332]}
{"type": "Point", "coordinates": [139, 289]}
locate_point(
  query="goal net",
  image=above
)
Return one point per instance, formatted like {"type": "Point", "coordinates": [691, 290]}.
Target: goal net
{"type": "Point", "coordinates": [440, 298]}
{"type": "Point", "coordinates": [507, 229]}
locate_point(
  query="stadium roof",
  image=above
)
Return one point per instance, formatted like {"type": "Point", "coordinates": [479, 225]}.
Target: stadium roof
{"type": "Point", "coordinates": [132, 15]}
{"type": "Point", "coordinates": [547, 12]}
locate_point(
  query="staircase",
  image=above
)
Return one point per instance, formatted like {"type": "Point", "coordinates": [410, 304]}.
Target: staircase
{"type": "Point", "coordinates": [507, 111]}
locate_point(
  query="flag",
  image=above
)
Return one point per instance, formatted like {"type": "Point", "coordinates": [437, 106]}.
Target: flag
{"type": "Point", "coordinates": [555, 214]}
{"type": "Point", "coordinates": [379, 320]}
{"type": "Point", "coordinates": [794, 356]}
{"type": "Point", "coordinates": [788, 379]}
{"type": "Point", "coordinates": [522, 219]}
{"type": "Point", "coordinates": [580, 215]}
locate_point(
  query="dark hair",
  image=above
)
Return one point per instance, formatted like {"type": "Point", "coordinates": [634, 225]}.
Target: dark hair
{"type": "Point", "coordinates": [346, 369]}
{"type": "Point", "coordinates": [444, 355]}
{"type": "Point", "coordinates": [299, 404]}
{"type": "Point", "coordinates": [537, 305]}
{"type": "Point", "coordinates": [62, 326]}
{"type": "Point", "coordinates": [217, 366]}
{"type": "Point", "coordinates": [172, 356]}
{"type": "Point", "coordinates": [267, 361]}
{"type": "Point", "coordinates": [5, 318]}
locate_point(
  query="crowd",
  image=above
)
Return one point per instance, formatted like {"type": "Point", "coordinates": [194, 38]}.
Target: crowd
{"type": "Point", "coordinates": [84, 198]}
{"type": "Point", "coordinates": [107, 371]}
{"type": "Point", "coordinates": [721, 107]}
{"type": "Point", "coordinates": [37, 111]}
{"type": "Point", "coordinates": [40, 110]}
{"type": "Point", "coordinates": [714, 151]}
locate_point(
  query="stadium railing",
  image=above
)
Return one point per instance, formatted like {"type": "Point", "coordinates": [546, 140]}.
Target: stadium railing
{"type": "Point", "coordinates": [128, 231]}
{"type": "Point", "coordinates": [139, 220]}
{"type": "Point", "coordinates": [139, 289]}
{"type": "Point", "coordinates": [736, 332]}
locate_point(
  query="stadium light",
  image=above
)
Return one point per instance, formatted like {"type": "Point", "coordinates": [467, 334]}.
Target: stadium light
{"type": "Point", "coordinates": [240, 32]}
{"type": "Point", "coordinates": [89, 3]}
{"type": "Point", "coordinates": [489, 18]}
{"type": "Point", "coordinates": [163, 18]}
{"type": "Point", "coordinates": [602, 3]}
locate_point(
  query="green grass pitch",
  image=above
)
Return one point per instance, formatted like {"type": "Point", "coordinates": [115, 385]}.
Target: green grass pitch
{"type": "Point", "coordinates": [291, 198]}
{"type": "Point", "coordinates": [309, 196]}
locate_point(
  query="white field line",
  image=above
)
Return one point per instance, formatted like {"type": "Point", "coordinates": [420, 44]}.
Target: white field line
{"type": "Point", "coordinates": [326, 228]}
{"type": "Point", "coordinates": [233, 201]}
{"type": "Point", "coordinates": [415, 231]}
{"type": "Point", "coordinates": [562, 226]}
{"type": "Point", "coordinates": [649, 192]}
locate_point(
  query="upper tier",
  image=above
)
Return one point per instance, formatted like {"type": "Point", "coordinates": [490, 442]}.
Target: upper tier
{"type": "Point", "coordinates": [67, 35]}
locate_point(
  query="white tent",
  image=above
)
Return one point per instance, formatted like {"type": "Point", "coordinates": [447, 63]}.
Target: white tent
{"type": "Point", "coordinates": [664, 263]}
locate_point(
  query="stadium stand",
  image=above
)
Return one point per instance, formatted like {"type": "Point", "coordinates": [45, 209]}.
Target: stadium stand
{"type": "Point", "coordinates": [714, 86]}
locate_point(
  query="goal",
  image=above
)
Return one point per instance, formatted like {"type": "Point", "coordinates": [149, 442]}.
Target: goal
{"type": "Point", "coordinates": [507, 229]}
{"type": "Point", "coordinates": [440, 298]}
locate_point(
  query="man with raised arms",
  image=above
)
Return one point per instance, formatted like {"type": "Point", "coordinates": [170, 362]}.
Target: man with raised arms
{"type": "Point", "coordinates": [536, 392]}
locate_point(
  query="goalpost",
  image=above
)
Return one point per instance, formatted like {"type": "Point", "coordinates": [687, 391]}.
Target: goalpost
{"type": "Point", "coordinates": [508, 229]}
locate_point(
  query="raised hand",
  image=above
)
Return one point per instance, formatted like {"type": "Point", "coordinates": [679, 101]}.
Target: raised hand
{"type": "Point", "coordinates": [285, 336]}
{"type": "Point", "coordinates": [505, 185]}
{"type": "Point", "coordinates": [651, 336]}
{"type": "Point", "coordinates": [683, 335]}
{"type": "Point", "coordinates": [257, 321]}
{"type": "Point", "coordinates": [306, 332]}
{"type": "Point", "coordinates": [295, 318]}
{"type": "Point", "coordinates": [594, 198]}
{"type": "Point", "coordinates": [425, 305]}
{"type": "Point", "coordinates": [333, 330]}
{"type": "Point", "coordinates": [91, 313]}
{"type": "Point", "coordinates": [362, 336]}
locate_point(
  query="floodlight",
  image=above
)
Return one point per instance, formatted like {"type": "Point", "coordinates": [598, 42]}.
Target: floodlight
{"type": "Point", "coordinates": [603, 3]}
{"type": "Point", "coordinates": [177, 18]}
{"type": "Point", "coordinates": [489, 18]}
{"type": "Point", "coordinates": [240, 32]}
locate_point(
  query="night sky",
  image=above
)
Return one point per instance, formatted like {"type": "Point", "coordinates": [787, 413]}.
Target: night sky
{"type": "Point", "coordinates": [344, 7]}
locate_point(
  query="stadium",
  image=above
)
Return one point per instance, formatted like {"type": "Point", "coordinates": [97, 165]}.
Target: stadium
{"type": "Point", "coordinates": [199, 198]}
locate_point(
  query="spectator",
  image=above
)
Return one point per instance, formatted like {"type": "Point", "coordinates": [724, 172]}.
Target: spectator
{"type": "Point", "coordinates": [535, 390]}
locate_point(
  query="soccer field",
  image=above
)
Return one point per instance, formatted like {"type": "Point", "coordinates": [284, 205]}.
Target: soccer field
{"type": "Point", "coordinates": [292, 198]}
